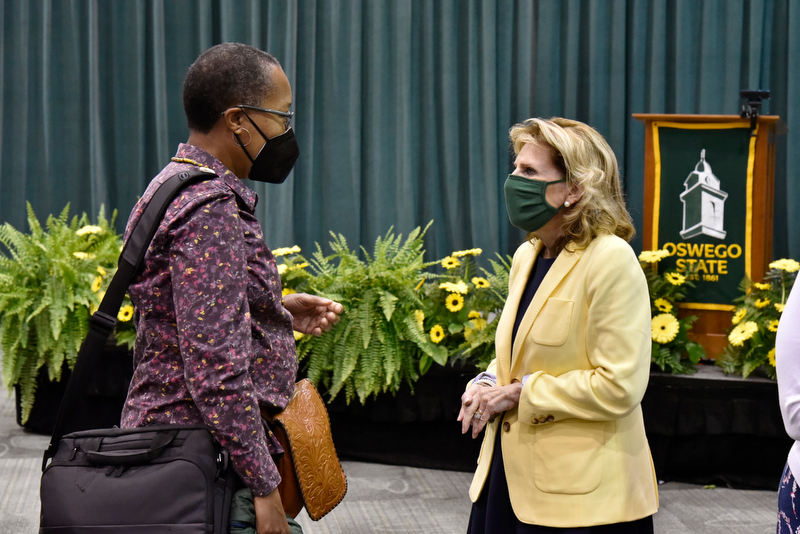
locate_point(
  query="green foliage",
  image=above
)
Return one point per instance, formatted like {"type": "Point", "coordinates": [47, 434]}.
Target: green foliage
{"type": "Point", "coordinates": [465, 303]}
{"type": "Point", "coordinates": [755, 321]}
{"type": "Point", "coordinates": [50, 281]}
{"type": "Point", "coordinates": [378, 343]}
{"type": "Point", "coordinates": [672, 350]}
{"type": "Point", "coordinates": [393, 308]}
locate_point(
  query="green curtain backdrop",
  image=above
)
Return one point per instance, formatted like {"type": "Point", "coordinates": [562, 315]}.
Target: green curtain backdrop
{"type": "Point", "coordinates": [402, 106]}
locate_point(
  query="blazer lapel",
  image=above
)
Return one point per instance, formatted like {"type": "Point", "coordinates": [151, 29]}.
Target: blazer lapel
{"type": "Point", "coordinates": [561, 267]}
{"type": "Point", "coordinates": [521, 269]}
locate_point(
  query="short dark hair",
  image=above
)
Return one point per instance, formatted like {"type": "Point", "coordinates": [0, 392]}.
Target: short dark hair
{"type": "Point", "coordinates": [224, 76]}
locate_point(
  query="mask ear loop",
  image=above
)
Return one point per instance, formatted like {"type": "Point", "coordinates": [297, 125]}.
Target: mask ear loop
{"type": "Point", "coordinates": [238, 141]}
{"type": "Point", "coordinates": [266, 139]}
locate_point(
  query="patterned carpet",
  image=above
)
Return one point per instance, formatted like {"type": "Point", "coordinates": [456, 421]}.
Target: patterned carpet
{"type": "Point", "coordinates": [394, 499]}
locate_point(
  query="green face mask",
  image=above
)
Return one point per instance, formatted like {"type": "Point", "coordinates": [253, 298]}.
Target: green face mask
{"type": "Point", "coordinates": [526, 203]}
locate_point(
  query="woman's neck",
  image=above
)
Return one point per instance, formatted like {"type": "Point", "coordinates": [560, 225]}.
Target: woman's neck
{"type": "Point", "coordinates": [551, 251]}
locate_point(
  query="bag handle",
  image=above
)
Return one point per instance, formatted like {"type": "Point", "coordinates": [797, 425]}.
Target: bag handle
{"type": "Point", "coordinates": [160, 440]}
{"type": "Point", "coordinates": [102, 322]}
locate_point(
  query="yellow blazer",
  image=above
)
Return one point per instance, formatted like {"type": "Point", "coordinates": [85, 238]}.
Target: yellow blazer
{"type": "Point", "coordinates": [575, 450]}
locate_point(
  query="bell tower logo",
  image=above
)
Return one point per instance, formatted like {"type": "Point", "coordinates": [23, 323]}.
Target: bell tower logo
{"type": "Point", "coordinates": [703, 202]}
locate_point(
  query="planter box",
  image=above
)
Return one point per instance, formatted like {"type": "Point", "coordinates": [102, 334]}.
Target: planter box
{"type": "Point", "coordinates": [100, 408]}
{"type": "Point", "coordinates": [705, 428]}
{"type": "Point", "coordinates": [416, 429]}
{"type": "Point", "coordinates": [710, 428]}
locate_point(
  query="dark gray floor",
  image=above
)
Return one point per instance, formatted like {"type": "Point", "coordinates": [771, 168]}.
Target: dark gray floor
{"type": "Point", "coordinates": [391, 499]}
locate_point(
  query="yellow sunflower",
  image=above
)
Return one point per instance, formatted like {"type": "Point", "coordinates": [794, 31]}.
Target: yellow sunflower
{"type": "Point", "coordinates": [437, 333]}
{"type": "Point", "coordinates": [419, 315]}
{"type": "Point", "coordinates": [89, 230]}
{"type": "Point", "coordinates": [739, 315]}
{"type": "Point", "coordinates": [81, 255]}
{"type": "Point", "coordinates": [469, 333]}
{"type": "Point", "coordinates": [97, 283]}
{"type": "Point", "coordinates": [94, 306]}
{"type": "Point", "coordinates": [450, 262]}
{"type": "Point", "coordinates": [480, 282]}
{"type": "Point", "coordinates": [287, 291]}
{"type": "Point", "coordinates": [664, 327]}
{"type": "Point", "coordinates": [653, 256]}
{"type": "Point", "coordinates": [101, 271]}
{"type": "Point", "coordinates": [790, 266]}
{"type": "Point", "coordinates": [773, 325]}
{"type": "Point", "coordinates": [762, 303]}
{"type": "Point", "coordinates": [663, 305]}
{"type": "Point", "coordinates": [454, 302]}
{"type": "Point", "coordinates": [282, 268]}
{"type": "Point", "coordinates": [760, 286]}
{"type": "Point", "coordinates": [742, 332]}
{"type": "Point", "coordinates": [676, 279]}
{"type": "Point", "coordinates": [125, 313]}
{"type": "Point", "coordinates": [771, 357]}
{"type": "Point", "coordinates": [470, 252]}
{"type": "Point", "coordinates": [297, 335]}
{"type": "Point", "coordinates": [285, 250]}
{"type": "Point", "coordinates": [479, 323]}
{"type": "Point", "coordinates": [458, 287]}
{"type": "Point", "coordinates": [779, 306]}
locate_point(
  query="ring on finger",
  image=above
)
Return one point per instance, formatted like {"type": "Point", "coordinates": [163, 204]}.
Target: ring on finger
{"type": "Point", "coordinates": [478, 415]}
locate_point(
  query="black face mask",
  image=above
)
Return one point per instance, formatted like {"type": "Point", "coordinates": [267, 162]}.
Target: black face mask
{"type": "Point", "coordinates": [275, 160]}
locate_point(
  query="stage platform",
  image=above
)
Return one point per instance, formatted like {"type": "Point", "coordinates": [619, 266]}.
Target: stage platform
{"type": "Point", "coordinates": [709, 428]}
{"type": "Point", "coordinates": [706, 428]}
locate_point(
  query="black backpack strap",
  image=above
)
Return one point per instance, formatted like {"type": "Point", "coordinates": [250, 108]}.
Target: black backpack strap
{"type": "Point", "coordinates": [102, 322]}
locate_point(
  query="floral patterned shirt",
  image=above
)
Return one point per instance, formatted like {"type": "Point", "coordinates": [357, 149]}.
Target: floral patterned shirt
{"type": "Point", "coordinates": [214, 342]}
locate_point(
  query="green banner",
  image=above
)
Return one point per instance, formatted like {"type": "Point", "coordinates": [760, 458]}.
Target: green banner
{"type": "Point", "coordinates": [702, 212]}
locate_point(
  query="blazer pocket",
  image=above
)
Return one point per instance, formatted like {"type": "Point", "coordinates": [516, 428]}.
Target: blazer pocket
{"type": "Point", "coordinates": [568, 457]}
{"type": "Point", "coordinates": [551, 326]}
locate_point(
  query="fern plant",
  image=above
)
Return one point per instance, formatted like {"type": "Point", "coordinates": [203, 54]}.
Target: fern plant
{"type": "Point", "coordinates": [51, 280]}
{"type": "Point", "coordinates": [378, 343]}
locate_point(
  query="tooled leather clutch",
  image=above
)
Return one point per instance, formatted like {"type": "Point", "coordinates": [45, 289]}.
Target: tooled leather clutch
{"type": "Point", "coordinates": [311, 474]}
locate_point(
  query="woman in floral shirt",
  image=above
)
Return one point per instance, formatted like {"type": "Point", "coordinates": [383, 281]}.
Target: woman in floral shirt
{"type": "Point", "coordinates": [214, 337]}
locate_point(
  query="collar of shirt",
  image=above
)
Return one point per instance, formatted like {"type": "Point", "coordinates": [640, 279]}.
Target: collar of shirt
{"type": "Point", "coordinates": [201, 156]}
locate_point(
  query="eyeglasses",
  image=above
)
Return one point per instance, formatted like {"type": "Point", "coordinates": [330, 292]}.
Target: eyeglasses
{"type": "Point", "coordinates": [287, 115]}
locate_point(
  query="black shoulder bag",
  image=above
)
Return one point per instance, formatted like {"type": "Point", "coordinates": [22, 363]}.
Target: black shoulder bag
{"type": "Point", "coordinates": [160, 478]}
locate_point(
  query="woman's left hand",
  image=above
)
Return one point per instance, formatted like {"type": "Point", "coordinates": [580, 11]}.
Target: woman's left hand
{"type": "Point", "coordinates": [481, 404]}
{"type": "Point", "coordinates": [312, 314]}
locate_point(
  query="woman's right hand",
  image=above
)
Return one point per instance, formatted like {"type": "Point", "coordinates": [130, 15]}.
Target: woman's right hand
{"type": "Point", "coordinates": [270, 517]}
{"type": "Point", "coordinates": [481, 404]}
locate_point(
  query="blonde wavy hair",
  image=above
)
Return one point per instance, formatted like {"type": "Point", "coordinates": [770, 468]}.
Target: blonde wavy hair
{"type": "Point", "coordinates": [588, 162]}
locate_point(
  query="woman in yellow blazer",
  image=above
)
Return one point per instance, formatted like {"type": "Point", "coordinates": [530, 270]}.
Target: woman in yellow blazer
{"type": "Point", "coordinates": [565, 446]}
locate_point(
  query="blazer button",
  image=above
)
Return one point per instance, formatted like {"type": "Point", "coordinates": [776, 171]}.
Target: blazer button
{"type": "Point", "coordinates": [506, 426]}
{"type": "Point", "coordinates": [550, 419]}
{"type": "Point", "coordinates": [535, 421]}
